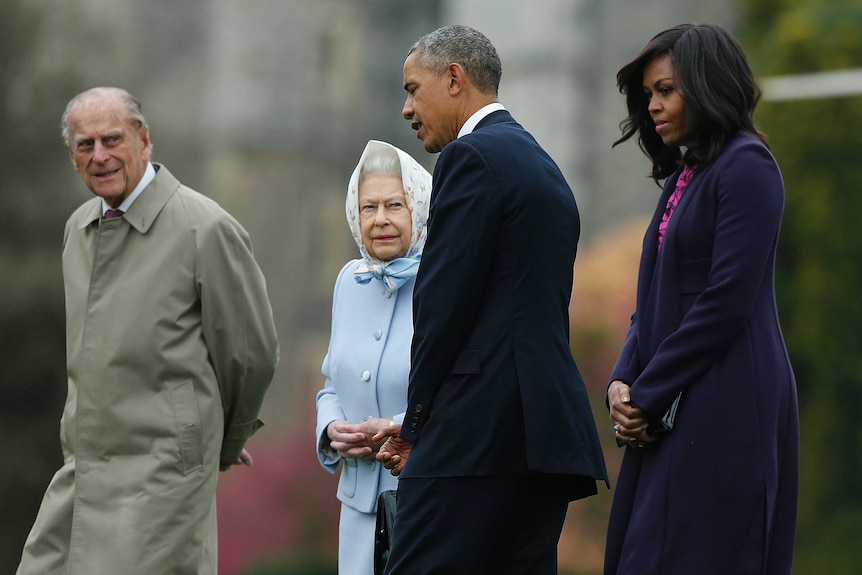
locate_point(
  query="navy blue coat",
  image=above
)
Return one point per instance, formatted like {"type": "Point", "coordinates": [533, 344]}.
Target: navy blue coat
{"type": "Point", "coordinates": [493, 385]}
{"type": "Point", "coordinates": [718, 494]}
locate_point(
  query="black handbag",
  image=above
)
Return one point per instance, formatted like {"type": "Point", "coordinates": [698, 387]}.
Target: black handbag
{"type": "Point", "coordinates": [386, 502]}
{"type": "Point", "coordinates": [664, 425]}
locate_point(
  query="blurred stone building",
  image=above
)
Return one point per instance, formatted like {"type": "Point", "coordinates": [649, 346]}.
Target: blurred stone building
{"type": "Point", "coordinates": [265, 105]}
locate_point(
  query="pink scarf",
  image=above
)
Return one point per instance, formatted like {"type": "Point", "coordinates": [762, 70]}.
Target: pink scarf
{"type": "Point", "coordinates": [675, 197]}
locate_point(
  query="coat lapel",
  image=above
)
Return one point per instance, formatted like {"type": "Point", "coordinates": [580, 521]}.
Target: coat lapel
{"type": "Point", "coordinates": [145, 208]}
{"type": "Point", "coordinates": [144, 211]}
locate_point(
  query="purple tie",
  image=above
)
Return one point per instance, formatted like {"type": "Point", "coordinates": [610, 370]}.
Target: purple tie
{"type": "Point", "coordinates": [111, 214]}
{"type": "Point", "coordinates": [681, 183]}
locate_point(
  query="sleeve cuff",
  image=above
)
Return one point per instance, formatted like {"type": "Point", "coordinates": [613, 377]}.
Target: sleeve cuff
{"type": "Point", "coordinates": [235, 438]}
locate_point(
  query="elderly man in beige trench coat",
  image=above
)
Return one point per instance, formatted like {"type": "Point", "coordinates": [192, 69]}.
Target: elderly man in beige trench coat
{"type": "Point", "coordinates": [170, 348]}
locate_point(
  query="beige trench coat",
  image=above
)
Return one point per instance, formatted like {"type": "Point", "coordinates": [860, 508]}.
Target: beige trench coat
{"type": "Point", "coordinates": [170, 347]}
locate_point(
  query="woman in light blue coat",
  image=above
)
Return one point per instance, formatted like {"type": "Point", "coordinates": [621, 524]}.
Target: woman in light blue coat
{"type": "Point", "coordinates": [368, 361]}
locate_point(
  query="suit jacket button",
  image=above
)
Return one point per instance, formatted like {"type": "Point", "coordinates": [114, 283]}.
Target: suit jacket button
{"type": "Point", "coordinates": [366, 375]}
{"type": "Point", "coordinates": [418, 408]}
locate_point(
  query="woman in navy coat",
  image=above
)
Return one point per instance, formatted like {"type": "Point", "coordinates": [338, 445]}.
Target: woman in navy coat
{"type": "Point", "coordinates": [368, 361]}
{"type": "Point", "coordinates": [708, 483]}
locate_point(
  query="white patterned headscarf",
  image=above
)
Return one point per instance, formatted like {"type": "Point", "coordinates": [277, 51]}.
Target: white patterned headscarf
{"type": "Point", "coordinates": [417, 192]}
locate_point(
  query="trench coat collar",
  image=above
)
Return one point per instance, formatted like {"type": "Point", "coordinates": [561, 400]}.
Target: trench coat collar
{"type": "Point", "coordinates": [144, 211]}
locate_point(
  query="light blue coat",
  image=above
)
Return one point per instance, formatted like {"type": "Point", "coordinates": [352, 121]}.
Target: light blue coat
{"type": "Point", "coordinates": [366, 369]}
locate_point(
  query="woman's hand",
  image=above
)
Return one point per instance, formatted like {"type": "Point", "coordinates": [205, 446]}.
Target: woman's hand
{"type": "Point", "coordinates": [629, 421]}
{"type": "Point", "coordinates": [355, 439]}
{"type": "Point", "coordinates": [348, 439]}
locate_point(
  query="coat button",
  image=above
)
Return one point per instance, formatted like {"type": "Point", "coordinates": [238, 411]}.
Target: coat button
{"type": "Point", "coordinates": [366, 375]}
{"type": "Point", "coordinates": [418, 408]}
{"type": "Point", "coordinates": [378, 334]}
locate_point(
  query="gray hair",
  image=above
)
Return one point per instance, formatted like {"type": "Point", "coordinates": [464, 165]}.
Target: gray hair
{"type": "Point", "coordinates": [133, 107]}
{"type": "Point", "coordinates": [461, 45]}
{"type": "Point", "coordinates": [380, 161]}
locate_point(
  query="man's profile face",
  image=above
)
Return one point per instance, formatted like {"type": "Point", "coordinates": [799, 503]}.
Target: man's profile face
{"type": "Point", "coordinates": [108, 149]}
{"type": "Point", "coordinates": [429, 106]}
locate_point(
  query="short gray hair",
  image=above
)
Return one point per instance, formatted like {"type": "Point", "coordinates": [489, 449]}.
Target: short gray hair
{"type": "Point", "coordinates": [133, 107]}
{"type": "Point", "coordinates": [460, 45]}
{"type": "Point", "coordinates": [380, 161]}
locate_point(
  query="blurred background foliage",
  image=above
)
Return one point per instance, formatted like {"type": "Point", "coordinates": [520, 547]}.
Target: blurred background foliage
{"type": "Point", "coordinates": [32, 345]}
{"type": "Point", "coordinates": [281, 516]}
{"type": "Point", "coordinates": [819, 270]}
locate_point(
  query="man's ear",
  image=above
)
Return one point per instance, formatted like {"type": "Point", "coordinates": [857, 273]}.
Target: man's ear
{"type": "Point", "coordinates": [144, 134]}
{"type": "Point", "coordinates": [72, 159]}
{"type": "Point", "coordinates": [458, 79]}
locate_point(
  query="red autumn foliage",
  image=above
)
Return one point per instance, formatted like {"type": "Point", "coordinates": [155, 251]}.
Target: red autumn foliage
{"type": "Point", "coordinates": [603, 300]}
{"type": "Point", "coordinates": [284, 508]}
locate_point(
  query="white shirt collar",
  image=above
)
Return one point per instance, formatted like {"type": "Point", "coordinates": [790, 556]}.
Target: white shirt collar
{"type": "Point", "coordinates": [149, 176]}
{"type": "Point", "coordinates": [477, 117]}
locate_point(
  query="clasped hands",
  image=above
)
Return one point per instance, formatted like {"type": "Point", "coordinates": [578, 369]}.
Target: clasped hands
{"type": "Point", "coordinates": [356, 440]}
{"type": "Point", "coordinates": [372, 438]}
{"type": "Point", "coordinates": [629, 421]}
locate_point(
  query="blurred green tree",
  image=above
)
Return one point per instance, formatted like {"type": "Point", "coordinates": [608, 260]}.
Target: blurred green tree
{"type": "Point", "coordinates": [33, 173]}
{"type": "Point", "coordinates": [819, 275]}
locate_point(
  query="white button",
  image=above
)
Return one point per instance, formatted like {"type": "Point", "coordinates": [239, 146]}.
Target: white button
{"type": "Point", "coordinates": [366, 375]}
{"type": "Point", "coordinates": [378, 334]}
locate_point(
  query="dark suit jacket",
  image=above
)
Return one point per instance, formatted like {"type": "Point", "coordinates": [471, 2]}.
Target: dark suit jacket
{"type": "Point", "coordinates": [718, 493]}
{"type": "Point", "coordinates": [493, 386]}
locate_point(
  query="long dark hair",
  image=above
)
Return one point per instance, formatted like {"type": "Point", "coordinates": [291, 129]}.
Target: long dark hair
{"type": "Point", "coordinates": [718, 88]}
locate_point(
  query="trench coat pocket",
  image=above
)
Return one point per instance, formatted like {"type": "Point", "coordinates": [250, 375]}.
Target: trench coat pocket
{"type": "Point", "coordinates": [188, 425]}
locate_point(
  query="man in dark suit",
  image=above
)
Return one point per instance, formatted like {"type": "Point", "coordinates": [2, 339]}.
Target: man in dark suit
{"type": "Point", "coordinates": [498, 430]}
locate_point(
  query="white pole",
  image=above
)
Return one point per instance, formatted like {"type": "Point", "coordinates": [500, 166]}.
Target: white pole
{"type": "Point", "coordinates": [831, 84]}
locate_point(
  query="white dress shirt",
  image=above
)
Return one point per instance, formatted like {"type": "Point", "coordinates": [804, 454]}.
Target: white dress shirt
{"type": "Point", "coordinates": [477, 117]}
{"type": "Point", "coordinates": [149, 176]}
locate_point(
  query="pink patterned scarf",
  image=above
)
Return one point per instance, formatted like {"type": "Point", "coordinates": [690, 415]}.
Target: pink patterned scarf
{"type": "Point", "coordinates": [675, 197]}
